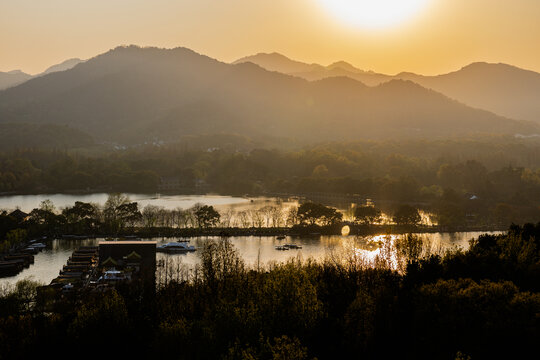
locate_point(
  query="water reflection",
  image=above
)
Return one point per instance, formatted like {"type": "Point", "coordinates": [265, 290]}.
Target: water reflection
{"type": "Point", "coordinates": [28, 202]}
{"type": "Point", "coordinates": [254, 250]}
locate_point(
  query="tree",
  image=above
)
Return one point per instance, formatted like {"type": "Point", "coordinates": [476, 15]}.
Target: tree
{"type": "Point", "coordinates": [367, 215]}
{"type": "Point", "coordinates": [292, 216]}
{"type": "Point", "coordinates": [150, 215]}
{"type": "Point", "coordinates": [80, 211]}
{"type": "Point", "coordinates": [407, 215]}
{"type": "Point", "coordinates": [313, 213]}
{"type": "Point", "coordinates": [83, 216]}
{"type": "Point", "coordinates": [206, 216]}
{"type": "Point", "coordinates": [119, 211]}
{"type": "Point", "coordinates": [111, 205]}
{"type": "Point", "coordinates": [129, 214]}
{"type": "Point", "coordinates": [243, 217]}
{"type": "Point", "coordinates": [504, 214]}
{"type": "Point", "coordinates": [47, 205]}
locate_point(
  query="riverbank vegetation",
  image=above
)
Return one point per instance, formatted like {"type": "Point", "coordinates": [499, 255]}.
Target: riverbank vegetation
{"type": "Point", "coordinates": [406, 303]}
{"type": "Point", "coordinates": [490, 180]}
{"type": "Point", "coordinates": [119, 216]}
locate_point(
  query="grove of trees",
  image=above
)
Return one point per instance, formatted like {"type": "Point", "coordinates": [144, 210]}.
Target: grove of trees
{"type": "Point", "coordinates": [482, 181]}
{"type": "Point", "coordinates": [482, 303]}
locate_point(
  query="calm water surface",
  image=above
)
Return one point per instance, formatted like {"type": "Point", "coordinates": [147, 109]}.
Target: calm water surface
{"type": "Point", "coordinates": [252, 249]}
{"type": "Point", "coordinates": [28, 202]}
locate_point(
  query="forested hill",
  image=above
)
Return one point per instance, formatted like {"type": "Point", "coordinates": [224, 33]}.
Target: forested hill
{"type": "Point", "coordinates": [133, 94]}
{"type": "Point", "coordinates": [41, 136]}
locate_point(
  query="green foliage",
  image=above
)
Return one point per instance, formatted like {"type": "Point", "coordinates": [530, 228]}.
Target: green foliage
{"type": "Point", "coordinates": [480, 303]}
{"type": "Point", "coordinates": [19, 299]}
{"type": "Point", "coordinates": [98, 319]}
{"type": "Point", "coordinates": [461, 181]}
{"type": "Point", "coordinates": [13, 238]}
{"type": "Point", "coordinates": [408, 248]}
{"type": "Point", "coordinates": [220, 262]}
{"type": "Point", "coordinates": [281, 348]}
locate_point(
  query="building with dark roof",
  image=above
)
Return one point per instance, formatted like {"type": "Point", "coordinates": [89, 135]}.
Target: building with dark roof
{"type": "Point", "coordinates": [121, 254]}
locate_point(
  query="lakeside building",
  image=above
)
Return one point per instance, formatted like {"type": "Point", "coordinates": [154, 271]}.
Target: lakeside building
{"type": "Point", "coordinates": [19, 215]}
{"type": "Point", "coordinates": [102, 267]}
{"type": "Point", "coordinates": [135, 259]}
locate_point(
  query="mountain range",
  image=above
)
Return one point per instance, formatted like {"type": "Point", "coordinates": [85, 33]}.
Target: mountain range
{"type": "Point", "coordinates": [500, 88]}
{"type": "Point", "coordinates": [16, 77]}
{"type": "Point", "coordinates": [132, 94]}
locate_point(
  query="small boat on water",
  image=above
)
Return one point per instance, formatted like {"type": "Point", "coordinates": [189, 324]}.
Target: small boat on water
{"type": "Point", "coordinates": [288, 247]}
{"type": "Point", "coordinates": [175, 248]}
{"type": "Point", "coordinates": [37, 246]}
{"type": "Point", "coordinates": [281, 237]}
{"type": "Point", "coordinates": [293, 246]}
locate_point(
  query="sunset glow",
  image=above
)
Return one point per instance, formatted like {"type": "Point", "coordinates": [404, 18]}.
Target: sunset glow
{"type": "Point", "coordinates": [374, 13]}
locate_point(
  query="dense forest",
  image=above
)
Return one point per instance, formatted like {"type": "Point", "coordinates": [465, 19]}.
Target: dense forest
{"type": "Point", "coordinates": [407, 303]}
{"type": "Point", "coordinates": [492, 180]}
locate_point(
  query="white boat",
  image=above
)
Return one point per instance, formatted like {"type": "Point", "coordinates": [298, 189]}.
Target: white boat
{"type": "Point", "coordinates": [175, 247]}
{"type": "Point", "coordinates": [37, 246]}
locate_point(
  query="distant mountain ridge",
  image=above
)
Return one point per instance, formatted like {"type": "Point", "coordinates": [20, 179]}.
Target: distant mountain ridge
{"type": "Point", "coordinates": [132, 94]}
{"type": "Point", "coordinates": [16, 77]}
{"type": "Point", "coordinates": [503, 89]}
{"type": "Point", "coordinates": [63, 66]}
{"type": "Point", "coordinates": [13, 78]}
{"type": "Point", "coordinates": [500, 88]}
{"type": "Point", "coordinates": [313, 72]}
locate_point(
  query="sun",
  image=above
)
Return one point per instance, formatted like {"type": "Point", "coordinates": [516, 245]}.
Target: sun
{"type": "Point", "coordinates": [374, 14]}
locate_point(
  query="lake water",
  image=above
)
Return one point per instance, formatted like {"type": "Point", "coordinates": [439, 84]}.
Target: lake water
{"type": "Point", "coordinates": [224, 204]}
{"type": "Point", "coordinates": [253, 250]}
{"type": "Point", "coordinates": [28, 202]}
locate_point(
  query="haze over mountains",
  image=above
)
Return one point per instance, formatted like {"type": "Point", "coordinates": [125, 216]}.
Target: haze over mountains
{"type": "Point", "coordinates": [503, 89]}
{"type": "Point", "coordinates": [132, 94]}
{"type": "Point", "coordinates": [16, 77]}
{"type": "Point", "coordinates": [282, 64]}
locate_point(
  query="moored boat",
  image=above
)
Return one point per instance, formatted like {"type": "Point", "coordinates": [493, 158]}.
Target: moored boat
{"type": "Point", "coordinates": [293, 246]}
{"type": "Point", "coordinates": [37, 246]}
{"type": "Point", "coordinates": [175, 247]}
{"type": "Point", "coordinates": [288, 247]}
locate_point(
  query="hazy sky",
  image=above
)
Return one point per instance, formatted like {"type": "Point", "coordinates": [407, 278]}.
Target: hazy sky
{"type": "Point", "coordinates": [445, 36]}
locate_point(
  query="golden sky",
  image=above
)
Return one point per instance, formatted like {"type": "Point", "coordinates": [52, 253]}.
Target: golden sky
{"type": "Point", "coordinates": [443, 37]}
